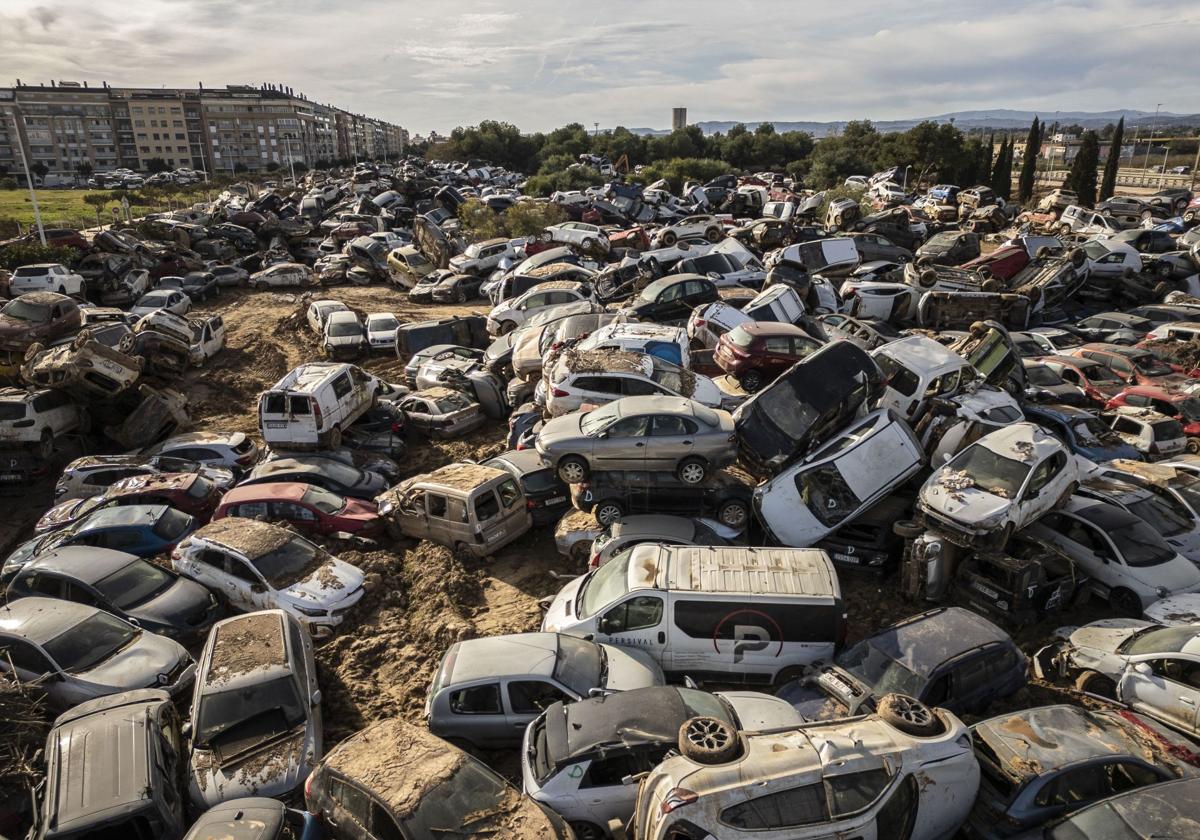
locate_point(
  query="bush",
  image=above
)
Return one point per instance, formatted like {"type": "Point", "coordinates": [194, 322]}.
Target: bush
{"type": "Point", "coordinates": [15, 256]}
{"type": "Point", "coordinates": [678, 170]}
{"type": "Point", "coordinates": [8, 183]}
{"type": "Point", "coordinates": [525, 218]}
{"type": "Point", "coordinates": [568, 179]}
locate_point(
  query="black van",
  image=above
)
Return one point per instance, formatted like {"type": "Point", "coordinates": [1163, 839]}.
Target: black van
{"type": "Point", "coordinates": [464, 330]}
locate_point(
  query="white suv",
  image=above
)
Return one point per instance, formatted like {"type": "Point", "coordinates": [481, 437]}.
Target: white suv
{"type": "Point", "coordinates": [908, 771]}
{"type": "Point", "coordinates": [46, 277]}
{"type": "Point", "coordinates": [510, 314]}
{"type": "Point", "coordinates": [37, 417]}
{"type": "Point", "coordinates": [586, 236]}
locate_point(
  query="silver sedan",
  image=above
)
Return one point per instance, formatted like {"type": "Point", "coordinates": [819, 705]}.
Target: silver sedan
{"type": "Point", "coordinates": [669, 434]}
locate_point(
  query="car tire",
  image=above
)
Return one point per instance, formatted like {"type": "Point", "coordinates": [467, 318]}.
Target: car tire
{"type": "Point", "coordinates": [1146, 214]}
{"type": "Point", "coordinates": [62, 290]}
{"type": "Point", "coordinates": [32, 350]}
{"type": "Point", "coordinates": [335, 437]}
{"type": "Point", "coordinates": [1078, 257]}
{"type": "Point", "coordinates": [506, 327]}
{"type": "Point", "coordinates": [787, 675]}
{"type": "Point", "coordinates": [908, 529]}
{"type": "Point", "coordinates": [751, 381]}
{"type": "Point", "coordinates": [713, 234]}
{"type": "Point", "coordinates": [991, 285]}
{"type": "Point", "coordinates": [909, 715]}
{"type": "Point", "coordinates": [734, 513]}
{"type": "Point", "coordinates": [588, 244]}
{"type": "Point", "coordinates": [669, 238]}
{"type": "Point", "coordinates": [460, 296]}
{"type": "Point", "coordinates": [1161, 290]}
{"type": "Point", "coordinates": [1043, 252]}
{"type": "Point", "coordinates": [1093, 682]}
{"type": "Point", "coordinates": [572, 469]}
{"type": "Point", "coordinates": [127, 343]}
{"type": "Point", "coordinates": [606, 513]}
{"type": "Point", "coordinates": [928, 278]}
{"type": "Point", "coordinates": [586, 830]}
{"type": "Point", "coordinates": [1193, 445]}
{"type": "Point", "coordinates": [46, 444]}
{"type": "Point", "coordinates": [707, 740]}
{"type": "Point", "coordinates": [692, 471]}
{"type": "Point", "coordinates": [1064, 230]}
{"type": "Point", "coordinates": [1125, 602]}
{"type": "Point", "coordinates": [261, 286]}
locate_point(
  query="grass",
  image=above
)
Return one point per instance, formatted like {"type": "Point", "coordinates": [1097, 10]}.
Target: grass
{"type": "Point", "coordinates": [60, 208]}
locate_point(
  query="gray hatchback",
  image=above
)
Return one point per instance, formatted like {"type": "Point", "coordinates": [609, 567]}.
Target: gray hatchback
{"type": "Point", "coordinates": [669, 434]}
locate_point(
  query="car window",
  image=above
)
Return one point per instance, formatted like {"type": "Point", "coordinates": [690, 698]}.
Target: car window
{"type": "Point", "coordinates": [486, 506]}
{"type": "Point", "coordinates": [629, 427]}
{"type": "Point", "coordinates": [672, 424]}
{"type": "Point", "coordinates": [508, 492]}
{"type": "Point", "coordinates": [895, 819]}
{"type": "Point", "coordinates": [1179, 671]}
{"type": "Point", "coordinates": [532, 697]}
{"type": "Point", "coordinates": [24, 656]}
{"type": "Point", "coordinates": [632, 386]}
{"type": "Point", "coordinates": [354, 801]}
{"type": "Point", "coordinates": [240, 570]}
{"type": "Point", "coordinates": [608, 771]}
{"type": "Point", "coordinates": [779, 344]}
{"type": "Point", "coordinates": [292, 511]}
{"type": "Point", "coordinates": [383, 827]}
{"type": "Point", "coordinates": [798, 806]}
{"type": "Point", "coordinates": [341, 385]}
{"type": "Point", "coordinates": [853, 792]}
{"type": "Point", "coordinates": [435, 505]}
{"type": "Point", "coordinates": [1045, 471]}
{"type": "Point", "coordinates": [477, 700]}
{"type": "Point", "coordinates": [637, 613]}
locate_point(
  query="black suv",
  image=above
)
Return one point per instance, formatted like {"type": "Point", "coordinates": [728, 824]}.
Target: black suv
{"type": "Point", "coordinates": [615, 493]}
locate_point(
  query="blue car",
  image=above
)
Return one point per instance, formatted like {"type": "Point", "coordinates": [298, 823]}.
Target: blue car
{"type": "Point", "coordinates": [1082, 431]}
{"type": "Point", "coordinates": [1174, 225]}
{"type": "Point", "coordinates": [949, 657]}
{"type": "Point", "coordinates": [144, 530]}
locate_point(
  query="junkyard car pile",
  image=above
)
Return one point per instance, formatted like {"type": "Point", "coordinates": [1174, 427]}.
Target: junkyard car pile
{"type": "Point", "coordinates": [721, 400]}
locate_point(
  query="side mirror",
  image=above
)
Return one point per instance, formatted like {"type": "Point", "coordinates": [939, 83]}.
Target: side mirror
{"type": "Point", "coordinates": [946, 457]}
{"type": "Point", "coordinates": [604, 626]}
{"type": "Point", "coordinates": [688, 682]}
{"type": "Point", "coordinates": [589, 637]}
{"type": "Point", "coordinates": [603, 434]}
{"type": "Point", "coordinates": [1143, 668]}
{"type": "Point", "coordinates": [315, 698]}
{"type": "Point", "coordinates": [186, 729]}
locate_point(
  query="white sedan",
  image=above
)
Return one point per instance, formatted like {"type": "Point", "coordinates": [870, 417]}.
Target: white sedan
{"type": "Point", "coordinates": [381, 330]}
{"type": "Point", "coordinates": [171, 300]}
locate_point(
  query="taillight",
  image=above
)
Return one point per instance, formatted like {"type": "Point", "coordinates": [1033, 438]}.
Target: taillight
{"type": "Point", "coordinates": [316, 410]}
{"type": "Point", "coordinates": [530, 504]}
{"type": "Point", "coordinates": [677, 798]}
{"type": "Point", "coordinates": [397, 428]}
{"type": "Point", "coordinates": [700, 323]}
{"type": "Point", "coordinates": [559, 392]}
{"type": "Point", "coordinates": [594, 561]}
{"type": "Point", "coordinates": [308, 789]}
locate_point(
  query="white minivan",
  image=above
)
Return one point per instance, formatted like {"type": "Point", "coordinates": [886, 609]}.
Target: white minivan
{"type": "Point", "coordinates": [718, 613]}
{"type": "Point", "coordinates": [313, 404]}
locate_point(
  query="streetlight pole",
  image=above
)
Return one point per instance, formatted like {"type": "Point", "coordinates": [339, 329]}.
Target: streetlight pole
{"type": "Point", "coordinates": [37, 214]}
{"type": "Point", "coordinates": [1153, 129]}
{"type": "Point", "coordinates": [291, 165]}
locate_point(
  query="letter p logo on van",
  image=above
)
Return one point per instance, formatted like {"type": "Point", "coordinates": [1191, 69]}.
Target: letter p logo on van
{"type": "Point", "coordinates": [748, 638]}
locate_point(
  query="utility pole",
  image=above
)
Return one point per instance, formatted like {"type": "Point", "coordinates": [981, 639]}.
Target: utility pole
{"type": "Point", "coordinates": [37, 214]}
{"type": "Point", "coordinates": [1153, 129]}
{"type": "Point", "coordinates": [291, 165]}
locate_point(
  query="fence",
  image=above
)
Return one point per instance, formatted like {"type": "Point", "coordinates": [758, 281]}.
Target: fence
{"type": "Point", "coordinates": [1125, 178]}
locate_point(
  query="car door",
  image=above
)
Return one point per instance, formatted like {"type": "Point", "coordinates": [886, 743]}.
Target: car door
{"type": "Point", "coordinates": [638, 620]}
{"type": "Point", "coordinates": [243, 587]}
{"type": "Point", "coordinates": [1167, 687]}
{"type": "Point", "coordinates": [622, 446]}
{"type": "Point", "coordinates": [1039, 494]}
{"type": "Point", "coordinates": [349, 813]}
{"type": "Point", "coordinates": [478, 714]}
{"type": "Point", "coordinates": [672, 438]}
{"type": "Point", "coordinates": [525, 699]}
{"type": "Point", "coordinates": [297, 515]}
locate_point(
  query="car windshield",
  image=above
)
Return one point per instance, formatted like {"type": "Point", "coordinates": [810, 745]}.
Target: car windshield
{"type": "Point", "coordinates": [827, 495]}
{"type": "Point", "coordinates": [579, 665]}
{"type": "Point", "coordinates": [871, 666]}
{"type": "Point", "coordinates": [1140, 545]}
{"type": "Point", "coordinates": [1160, 515]}
{"type": "Point", "coordinates": [1092, 431]}
{"type": "Point", "coordinates": [1064, 340]}
{"type": "Point", "coordinates": [290, 563]}
{"type": "Point", "coordinates": [133, 584]}
{"type": "Point", "coordinates": [1042, 375]}
{"type": "Point", "coordinates": [172, 524]}
{"type": "Point", "coordinates": [470, 802]}
{"type": "Point", "coordinates": [378, 324]}
{"type": "Point", "coordinates": [340, 329]}
{"type": "Point", "coordinates": [1149, 364]}
{"type": "Point", "coordinates": [598, 418]}
{"type": "Point", "coordinates": [12, 410]}
{"type": "Point", "coordinates": [23, 310]}
{"type": "Point", "coordinates": [1167, 430]}
{"type": "Point", "coordinates": [605, 585]}
{"type": "Point", "coordinates": [90, 642]}
{"type": "Point", "coordinates": [1099, 373]}
{"type": "Point", "coordinates": [200, 488]}
{"type": "Point", "coordinates": [1159, 640]}
{"type": "Point", "coordinates": [652, 291]}
{"type": "Point", "coordinates": [323, 500]}
{"type": "Point", "coordinates": [244, 717]}
{"type": "Point", "coordinates": [1189, 409]}
{"type": "Point", "coordinates": [991, 472]}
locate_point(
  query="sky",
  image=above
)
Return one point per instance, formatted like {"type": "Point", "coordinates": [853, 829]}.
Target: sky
{"type": "Point", "coordinates": [543, 63]}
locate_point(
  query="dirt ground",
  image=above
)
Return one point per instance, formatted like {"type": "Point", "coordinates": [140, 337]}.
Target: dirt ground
{"type": "Point", "coordinates": [420, 597]}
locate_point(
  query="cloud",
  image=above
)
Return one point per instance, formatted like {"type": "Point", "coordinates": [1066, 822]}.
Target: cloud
{"type": "Point", "coordinates": [628, 62]}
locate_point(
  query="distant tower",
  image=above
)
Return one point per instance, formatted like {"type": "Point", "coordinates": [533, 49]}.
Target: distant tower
{"type": "Point", "coordinates": [678, 119]}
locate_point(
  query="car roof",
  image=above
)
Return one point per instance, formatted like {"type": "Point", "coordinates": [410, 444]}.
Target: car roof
{"type": "Point", "coordinates": [757, 328]}
{"type": "Point", "coordinates": [654, 404]}
{"type": "Point", "coordinates": [1167, 810]}
{"type": "Point", "coordinates": [248, 536]}
{"type": "Point", "coordinates": [522, 460]}
{"type": "Point", "coordinates": [1104, 515]}
{"type": "Point", "coordinates": [733, 569]}
{"type": "Point", "coordinates": [496, 656]}
{"type": "Point", "coordinates": [924, 642]}
{"type": "Point", "coordinates": [923, 352]}
{"type": "Point", "coordinates": [642, 715]}
{"type": "Point", "coordinates": [291, 490]}
{"type": "Point", "coordinates": [202, 438]}
{"type": "Point", "coordinates": [83, 563]}
{"type": "Point", "coordinates": [123, 516]}
{"type": "Point", "coordinates": [245, 818]}
{"type": "Point", "coordinates": [245, 650]}
{"type": "Point", "coordinates": [660, 525]}
{"type": "Point", "coordinates": [41, 619]}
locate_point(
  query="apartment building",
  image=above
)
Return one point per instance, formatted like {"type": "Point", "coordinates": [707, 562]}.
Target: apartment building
{"type": "Point", "coordinates": [221, 130]}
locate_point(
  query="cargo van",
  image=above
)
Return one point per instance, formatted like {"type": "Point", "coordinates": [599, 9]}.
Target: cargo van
{"type": "Point", "coordinates": [469, 507]}
{"type": "Point", "coordinates": [710, 613]}
{"type": "Point", "coordinates": [311, 406]}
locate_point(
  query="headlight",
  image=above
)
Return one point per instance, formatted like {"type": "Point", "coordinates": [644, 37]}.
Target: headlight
{"type": "Point", "coordinates": [1162, 592]}
{"type": "Point", "coordinates": [315, 613]}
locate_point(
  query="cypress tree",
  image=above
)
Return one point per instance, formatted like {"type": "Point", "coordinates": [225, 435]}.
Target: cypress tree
{"type": "Point", "coordinates": [1033, 146]}
{"type": "Point", "coordinates": [1109, 185]}
{"type": "Point", "coordinates": [1082, 177]}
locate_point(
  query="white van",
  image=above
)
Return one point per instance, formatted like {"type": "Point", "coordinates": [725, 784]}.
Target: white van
{"type": "Point", "coordinates": [311, 406]}
{"type": "Point", "coordinates": [833, 257]}
{"type": "Point", "coordinates": [726, 614]}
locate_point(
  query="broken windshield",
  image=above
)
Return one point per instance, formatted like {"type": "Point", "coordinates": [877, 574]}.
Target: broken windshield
{"type": "Point", "coordinates": [825, 491]}
{"type": "Point", "coordinates": [991, 472]}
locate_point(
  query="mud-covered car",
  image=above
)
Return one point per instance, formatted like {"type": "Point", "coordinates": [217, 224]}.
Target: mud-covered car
{"type": "Point", "coordinates": [145, 416]}
{"type": "Point", "coordinates": [85, 367]}
{"type": "Point", "coordinates": [256, 710]}
{"type": "Point", "coordinates": [442, 412]}
{"type": "Point", "coordinates": [37, 316]}
{"type": "Point", "coordinates": [949, 248]}
{"type": "Point", "coordinates": [612, 494]}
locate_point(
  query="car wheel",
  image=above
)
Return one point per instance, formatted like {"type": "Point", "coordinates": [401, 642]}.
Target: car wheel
{"type": "Point", "coordinates": [1180, 204]}
{"type": "Point", "coordinates": [669, 237]}
{"type": "Point", "coordinates": [572, 469]}
{"type": "Point", "coordinates": [751, 381]}
{"type": "Point", "coordinates": [909, 715]}
{"type": "Point", "coordinates": [588, 244]}
{"type": "Point", "coordinates": [1125, 602]}
{"type": "Point", "coordinates": [126, 344]}
{"type": "Point", "coordinates": [928, 278]}
{"type": "Point", "coordinates": [607, 513]}
{"type": "Point", "coordinates": [460, 295]}
{"type": "Point", "coordinates": [1146, 214]}
{"type": "Point", "coordinates": [46, 444]}
{"type": "Point", "coordinates": [1193, 446]}
{"type": "Point", "coordinates": [506, 327]}
{"type": "Point", "coordinates": [1092, 682]}
{"type": "Point", "coordinates": [908, 529]}
{"type": "Point", "coordinates": [707, 740]}
{"type": "Point", "coordinates": [788, 675]}
{"type": "Point", "coordinates": [991, 285]}
{"type": "Point", "coordinates": [335, 437]}
{"type": "Point", "coordinates": [692, 471]}
{"type": "Point", "coordinates": [734, 513]}
{"type": "Point", "coordinates": [713, 234]}
{"type": "Point", "coordinates": [1161, 290]}
{"type": "Point", "coordinates": [1163, 270]}
{"type": "Point", "coordinates": [587, 830]}
{"type": "Point", "coordinates": [1064, 230]}
{"type": "Point", "coordinates": [62, 290]}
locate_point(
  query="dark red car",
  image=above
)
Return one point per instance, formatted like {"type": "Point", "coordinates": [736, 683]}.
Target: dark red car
{"type": "Point", "coordinates": [1003, 263]}
{"type": "Point", "coordinates": [1132, 364]}
{"type": "Point", "coordinates": [55, 238]}
{"type": "Point", "coordinates": [306, 506]}
{"type": "Point", "coordinates": [37, 316]}
{"type": "Point", "coordinates": [757, 352]}
{"type": "Point", "coordinates": [190, 493]}
{"type": "Point", "coordinates": [1095, 378]}
{"type": "Point", "coordinates": [1184, 408]}
{"type": "Point", "coordinates": [634, 237]}
{"type": "Point", "coordinates": [350, 230]}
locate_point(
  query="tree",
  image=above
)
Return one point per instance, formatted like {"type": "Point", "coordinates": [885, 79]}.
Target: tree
{"type": "Point", "coordinates": [156, 165]}
{"type": "Point", "coordinates": [1109, 185]}
{"type": "Point", "coordinates": [40, 169]}
{"type": "Point", "coordinates": [1082, 177]}
{"type": "Point", "coordinates": [272, 167]}
{"type": "Point", "coordinates": [1033, 146]}
{"type": "Point", "coordinates": [97, 200]}
{"type": "Point", "coordinates": [84, 169]}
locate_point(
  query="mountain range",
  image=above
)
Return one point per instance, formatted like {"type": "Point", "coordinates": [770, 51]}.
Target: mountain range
{"type": "Point", "coordinates": [998, 118]}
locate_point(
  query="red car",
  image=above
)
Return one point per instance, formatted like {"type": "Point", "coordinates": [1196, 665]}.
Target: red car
{"type": "Point", "coordinates": [306, 506]}
{"type": "Point", "coordinates": [350, 230]}
{"type": "Point", "coordinates": [1003, 263]}
{"type": "Point", "coordinates": [1135, 366]}
{"type": "Point", "coordinates": [1184, 408]}
{"type": "Point", "coordinates": [757, 352]}
{"type": "Point", "coordinates": [1096, 379]}
{"type": "Point", "coordinates": [634, 237]}
{"type": "Point", "coordinates": [190, 493]}
{"type": "Point", "coordinates": [55, 238]}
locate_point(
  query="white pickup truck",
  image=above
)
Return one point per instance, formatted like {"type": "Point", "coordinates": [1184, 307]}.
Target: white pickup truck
{"type": "Point", "coordinates": [46, 277]}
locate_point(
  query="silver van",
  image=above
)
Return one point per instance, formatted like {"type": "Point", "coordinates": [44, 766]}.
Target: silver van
{"type": "Point", "coordinates": [468, 507]}
{"type": "Point", "coordinates": [313, 404]}
{"type": "Point", "coordinates": [710, 613]}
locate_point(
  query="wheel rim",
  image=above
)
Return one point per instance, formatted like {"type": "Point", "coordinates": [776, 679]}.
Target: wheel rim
{"type": "Point", "coordinates": [734, 516]}
{"type": "Point", "coordinates": [608, 514]}
{"type": "Point", "coordinates": [692, 473]}
{"type": "Point", "coordinates": [751, 382]}
{"type": "Point", "coordinates": [910, 711]}
{"type": "Point", "coordinates": [571, 472]}
{"type": "Point", "coordinates": [707, 734]}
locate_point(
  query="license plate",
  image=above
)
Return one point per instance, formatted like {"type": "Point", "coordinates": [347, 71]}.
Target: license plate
{"type": "Point", "coordinates": [495, 535]}
{"type": "Point", "coordinates": [10, 478]}
{"type": "Point", "coordinates": [845, 558]}
{"type": "Point", "coordinates": [276, 424]}
{"type": "Point", "coordinates": [988, 591]}
{"type": "Point", "coordinates": [556, 500]}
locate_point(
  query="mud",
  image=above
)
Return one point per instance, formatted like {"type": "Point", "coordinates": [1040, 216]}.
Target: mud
{"type": "Point", "coordinates": [250, 644]}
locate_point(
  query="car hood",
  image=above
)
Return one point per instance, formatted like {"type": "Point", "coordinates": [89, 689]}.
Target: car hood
{"type": "Point", "coordinates": [559, 429]}
{"type": "Point", "coordinates": [1106, 635]}
{"type": "Point", "coordinates": [274, 769]}
{"type": "Point", "coordinates": [758, 711]}
{"type": "Point", "coordinates": [1175, 610]}
{"type": "Point", "coordinates": [328, 586]}
{"type": "Point", "coordinates": [1176, 575]}
{"type": "Point", "coordinates": [561, 611]}
{"type": "Point", "coordinates": [629, 668]}
{"type": "Point", "coordinates": [182, 600]}
{"type": "Point", "coordinates": [145, 663]}
{"type": "Point", "coordinates": [968, 504]}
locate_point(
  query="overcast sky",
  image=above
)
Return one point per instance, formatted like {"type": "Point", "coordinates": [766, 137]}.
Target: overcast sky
{"type": "Point", "coordinates": [543, 63]}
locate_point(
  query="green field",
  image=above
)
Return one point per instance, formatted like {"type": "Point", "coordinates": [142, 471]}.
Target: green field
{"type": "Point", "coordinates": [60, 208]}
